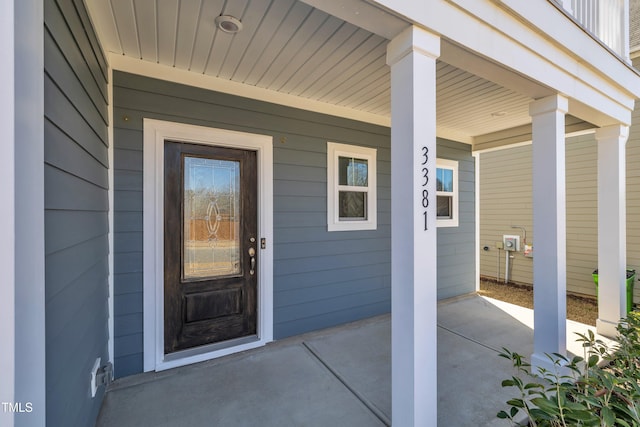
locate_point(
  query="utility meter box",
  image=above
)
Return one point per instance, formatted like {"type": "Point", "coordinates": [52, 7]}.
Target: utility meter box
{"type": "Point", "coordinates": [511, 243]}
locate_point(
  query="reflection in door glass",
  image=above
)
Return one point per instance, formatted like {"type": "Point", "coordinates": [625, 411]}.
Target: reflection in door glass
{"type": "Point", "coordinates": [211, 232]}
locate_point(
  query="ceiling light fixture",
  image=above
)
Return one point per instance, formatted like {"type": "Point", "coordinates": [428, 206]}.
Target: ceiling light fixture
{"type": "Point", "coordinates": [228, 24]}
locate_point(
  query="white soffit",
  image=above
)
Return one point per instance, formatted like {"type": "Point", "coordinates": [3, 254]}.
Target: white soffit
{"type": "Point", "coordinates": [293, 54]}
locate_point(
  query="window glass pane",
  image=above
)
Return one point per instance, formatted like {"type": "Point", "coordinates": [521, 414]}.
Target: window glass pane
{"type": "Point", "coordinates": [444, 207]}
{"type": "Point", "coordinates": [211, 218]}
{"type": "Point", "coordinates": [352, 205]}
{"type": "Point", "coordinates": [444, 180]}
{"type": "Point", "coordinates": [352, 171]}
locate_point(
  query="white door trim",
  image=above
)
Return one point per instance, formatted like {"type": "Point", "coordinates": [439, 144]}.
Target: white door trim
{"type": "Point", "coordinates": [155, 133]}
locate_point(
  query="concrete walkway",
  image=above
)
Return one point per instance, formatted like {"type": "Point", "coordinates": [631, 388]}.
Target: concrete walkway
{"type": "Point", "coordinates": [336, 377]}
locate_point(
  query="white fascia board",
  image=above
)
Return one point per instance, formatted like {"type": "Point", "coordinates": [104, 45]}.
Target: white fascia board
{"type": "Point", "coordinates": [362, 14]}
{"type": "Point", "coordinates": [163, 72]}
{"type": "Point", "coordinates": [546, 18]}
{"type": "Point", "coordinates": [494, 33]}
{"type": "Point", "coordinates": [585, 51]}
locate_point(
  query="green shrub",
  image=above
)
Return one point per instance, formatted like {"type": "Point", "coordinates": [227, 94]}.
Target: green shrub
{"type": "Point", "coordinates": [600, 389]}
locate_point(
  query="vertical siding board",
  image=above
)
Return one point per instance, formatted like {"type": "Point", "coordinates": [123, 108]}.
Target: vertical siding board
{"type": "Point", "coordinates": [320, 278]}
{"type": "Point", "coordinates": [76, 208]}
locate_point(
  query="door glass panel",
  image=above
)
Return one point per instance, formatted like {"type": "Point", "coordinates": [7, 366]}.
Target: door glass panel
{"type": "Point", "coordinates": [211, 223]}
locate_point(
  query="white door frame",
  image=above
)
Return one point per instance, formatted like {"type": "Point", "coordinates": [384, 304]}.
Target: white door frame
{"type": "Point", "coordinates": [155, 133]}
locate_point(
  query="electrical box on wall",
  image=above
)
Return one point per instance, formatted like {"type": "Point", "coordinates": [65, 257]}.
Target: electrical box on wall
{"type": "Point", "coordinates": [528, 250]}
{"type": "Point", "coordinates": [511, 243]}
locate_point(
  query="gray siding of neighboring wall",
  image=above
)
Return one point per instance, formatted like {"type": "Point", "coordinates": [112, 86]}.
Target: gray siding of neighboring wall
{"type": "Point", "coordinates": [506, 199]}
{"type": "Point", "coordinates": [506, 194]}
{"type": "Point", "coordinates": [456, 245]}
{"type": "Point", "coordinates": [320, 278]}
{"type": "Point", "coordinates": [76, 212]}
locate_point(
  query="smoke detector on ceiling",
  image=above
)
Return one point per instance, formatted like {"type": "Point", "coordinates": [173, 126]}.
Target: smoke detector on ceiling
{"type": "Point", "coordinates": [228, 24]}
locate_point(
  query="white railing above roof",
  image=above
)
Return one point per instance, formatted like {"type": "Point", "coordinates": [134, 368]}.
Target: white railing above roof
{"type": "Point", "coordinates": [607, 20]}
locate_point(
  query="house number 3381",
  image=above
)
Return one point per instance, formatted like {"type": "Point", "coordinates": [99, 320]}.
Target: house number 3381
{"type": "Point", "coordinates": [425, 192]}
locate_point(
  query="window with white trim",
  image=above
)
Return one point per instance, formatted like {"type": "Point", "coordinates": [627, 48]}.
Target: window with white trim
{"type": "Point", "coordinates": [351, 187]}
{"type": "Point", "coordinates": [447, 192]}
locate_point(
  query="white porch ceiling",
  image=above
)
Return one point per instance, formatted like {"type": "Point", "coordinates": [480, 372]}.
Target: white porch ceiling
{"type": "Point", "coordinates": [289, 47]}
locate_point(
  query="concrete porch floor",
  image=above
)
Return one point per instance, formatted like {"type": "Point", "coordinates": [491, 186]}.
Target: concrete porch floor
{"type": "Point", "coordinates": [336, 377]}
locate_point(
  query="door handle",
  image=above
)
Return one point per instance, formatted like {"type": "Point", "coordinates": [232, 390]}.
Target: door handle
{"type": "Point", "coordinates": [252, 261]}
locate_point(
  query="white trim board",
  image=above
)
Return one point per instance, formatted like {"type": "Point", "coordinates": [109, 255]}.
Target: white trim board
{"type": "Point", "coordinates": [8, 122]}
{"type": "Point", "coordinates": [110, 174]}
{"type": "Point", "coordinates": [155, 133]}
{"type": "Point", "coordinates": [29, 204]}
{"type": "Point", "coordinates": [334, 152]}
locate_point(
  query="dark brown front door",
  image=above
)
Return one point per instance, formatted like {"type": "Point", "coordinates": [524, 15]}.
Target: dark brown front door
{"type": "Point", "coordinates": [210, 252]}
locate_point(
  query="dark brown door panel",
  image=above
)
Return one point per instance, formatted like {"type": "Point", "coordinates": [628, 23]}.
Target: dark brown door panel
{"type": "Point", "coordinates": [210, 245]}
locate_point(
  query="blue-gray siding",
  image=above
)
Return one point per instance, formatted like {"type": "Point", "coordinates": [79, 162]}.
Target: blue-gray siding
{"type": "Point", "coordinates": [456, 245]}
{"type": "Point", "coordinates": [320, 278]}
{"type": "Point", "coordinates": [76, 211]}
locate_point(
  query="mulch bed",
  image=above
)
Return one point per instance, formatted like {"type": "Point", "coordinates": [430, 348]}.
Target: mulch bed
{"type": "Point", "coordinates": [582, 309]}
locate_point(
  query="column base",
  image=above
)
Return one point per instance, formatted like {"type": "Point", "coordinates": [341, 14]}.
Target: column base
{"type": "Point", "coordinates": [607, 328]}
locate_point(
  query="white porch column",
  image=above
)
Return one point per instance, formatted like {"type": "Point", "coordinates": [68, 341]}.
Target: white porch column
{"type": "Point", "coordinates": [549, 229]}
{"type": "Point", "coordinates": [412, 57]}
{"type": "Point", "coordinates": [7, 215]}
{"type": "Point", "coordinates": [612, 226]}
